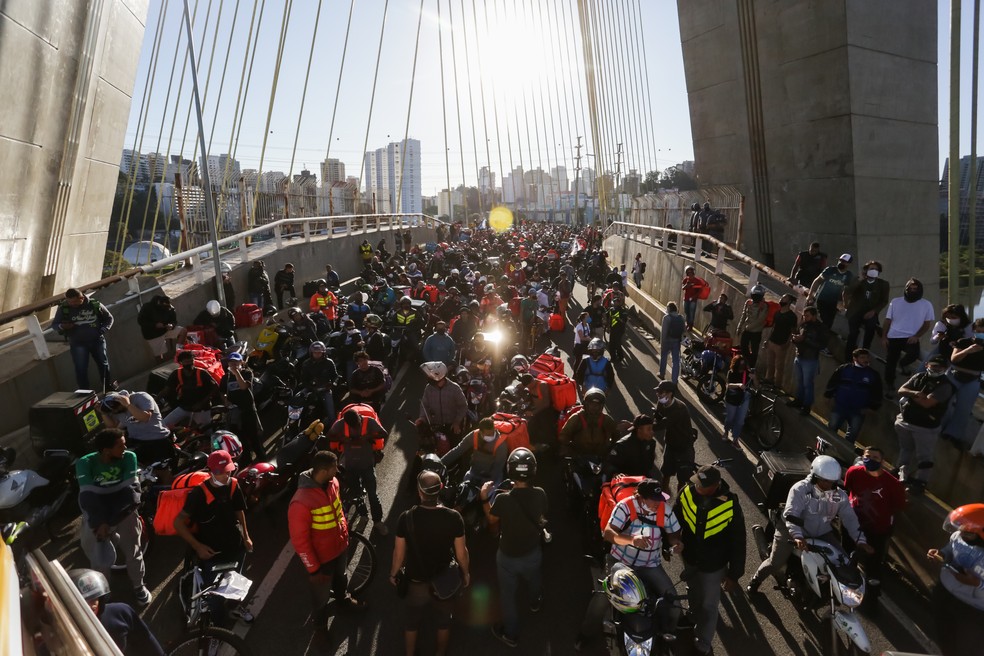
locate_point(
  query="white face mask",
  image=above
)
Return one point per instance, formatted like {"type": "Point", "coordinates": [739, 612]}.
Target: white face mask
{"type": "Point", "coordinates": [953, 322]}
{"type": "Point", "coordinates": [490, 438]}
{"type": "Point", "coordinates": [872, 273]}
{"type": "Point", "coordinates": [665, 399]}
{"type": "Point", "coordinates": [217, 483]}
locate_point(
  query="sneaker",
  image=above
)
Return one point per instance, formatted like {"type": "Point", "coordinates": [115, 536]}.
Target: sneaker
{"type": "Point", "coordinates": [143, 596]}
{"type": "Point", "coordinates": [500, 633]}
{"type": "Point", "coordinates": [242, 615]}
{"type": "Point", "coordinates": [536, 605]}
{"type": "Point", "coordinates": [753, 586]}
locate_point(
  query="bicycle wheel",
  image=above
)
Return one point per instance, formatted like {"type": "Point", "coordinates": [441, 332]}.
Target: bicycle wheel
{"type": "Point", "coordinates": [361, 566]}
{"type": "Point", "coordinates": [208, 641]}
{"type": "Point", "coordinates": [710, 387]}
{"type": "Point", "coordinates": [768, 430]}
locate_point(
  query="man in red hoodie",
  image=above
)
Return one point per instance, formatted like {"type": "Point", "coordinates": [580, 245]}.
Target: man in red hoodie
{"type": "Point", "coordinates": [876, 496]}
{"type": "Point", "coordinates": [319, 533]}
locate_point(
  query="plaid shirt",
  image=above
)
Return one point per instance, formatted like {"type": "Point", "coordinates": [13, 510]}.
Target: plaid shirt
{"type": "Point", "coordinates": [643, 524]}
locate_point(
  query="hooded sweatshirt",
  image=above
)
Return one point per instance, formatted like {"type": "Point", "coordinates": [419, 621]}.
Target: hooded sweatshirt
{"type": "Point", "coordinates": [318, 529]}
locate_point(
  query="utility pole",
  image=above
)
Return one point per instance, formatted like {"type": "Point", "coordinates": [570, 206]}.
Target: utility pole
{"type": "Point", "coordinates": [618, 183]}
{"type": "Point", "coordinates": [577, 185]}
{"type": "Point", "coordinates": [209, 198]}
{"type": "Point", "coordinates": [953, 186]}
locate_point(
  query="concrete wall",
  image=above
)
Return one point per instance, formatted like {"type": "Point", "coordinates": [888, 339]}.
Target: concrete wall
{"type": "Point", "coordinates": [824, 115]}
{"type": "Point", "coordinates": [68, 75]}
{"type": "Point", "coordinates": [129, 354]}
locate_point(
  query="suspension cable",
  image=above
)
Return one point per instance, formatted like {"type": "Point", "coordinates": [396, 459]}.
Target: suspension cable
{"type": "Point", "coordinates": [638, 100]}
{"type": "Point", "coordinates": [554, 171]}
{"type": "Point", "coordinates": [495, 114]}
{"type": "Point", "coordinates": [457, 105]}
{"type": "Point", "coordinates": [338, 87]}
{"type": "Point", "coordinates": [307, 77]}
{"type": "Point", "coordinates": [506, 100]}
{"type": "Point", "coordinates": [406, 132]}
{"type": "Point", "coordinates": [372, 102]}
{"type": "Point", "coordinates": [244, 83]}
{"type": "Point", "coordinates": [645, 63]}
{"type": "Point", "coordinates": [485, 125]}
{"type": "Point", "coordinates": [444, 111]}
{"type": "Point", "coordinates": [137, 137]}
{"type": "Point", "coordinates": [564, 129]}
{"type": "Point", "coordinates": [471, 111]}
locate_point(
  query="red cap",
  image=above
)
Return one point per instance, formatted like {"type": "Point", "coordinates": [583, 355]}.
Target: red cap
{"type": "Point", "coordinates": [220, 462]}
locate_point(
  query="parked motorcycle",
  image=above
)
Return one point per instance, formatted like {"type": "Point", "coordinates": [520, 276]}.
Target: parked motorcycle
{"type": "Point", "coordinates": [33, 496]}
{"type": "Point", "coordinates": [711, 384]}
{"type": "Point", "coordinates": [303, 407]}
{"type": "Point", "coordinates": [264, 480]}
{"type": "Point", "coordinates": [582, 480]}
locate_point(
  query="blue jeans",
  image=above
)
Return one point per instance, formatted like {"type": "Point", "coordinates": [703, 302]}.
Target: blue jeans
{"type": "Point", "coordinates": [806, 372]}
{"type": "Point", "coordinates": [734, 416]}
{"type": "Point", "coordinates": [854, 420]}
{"type": "Point", "coordinates": [964, 396]}
{"type": "Point", "coordinates": [690, 311]}
{"type": "Point", "coordinates": [510, 570]}
{"type": "Point", "coordinates": [669, 348]}
{"type": "Point", "coordinates": [81, 351]}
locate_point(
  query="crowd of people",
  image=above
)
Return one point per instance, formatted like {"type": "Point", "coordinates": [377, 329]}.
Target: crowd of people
{"type": "Point", "coordinates": [473, 313]}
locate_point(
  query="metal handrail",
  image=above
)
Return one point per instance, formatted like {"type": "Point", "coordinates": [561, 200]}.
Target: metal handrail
{"type": "Point", "coordinates": [37, 334]}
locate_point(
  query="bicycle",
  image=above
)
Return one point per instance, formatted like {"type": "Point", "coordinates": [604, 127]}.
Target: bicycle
{"type": "Point", "coordinates": [205, 638]}
{"type": "Point", "coordinates": [360, 565]}
{"type": "Point", "coordinates": [763, 421]}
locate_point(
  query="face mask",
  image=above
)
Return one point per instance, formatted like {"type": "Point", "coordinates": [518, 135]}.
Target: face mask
{"type": "Point", "coordinates": [841, 266]}
{"type": "Point", "coordinates": [953, 322]}
{"type": "Point", "coordinates": [935, 373]}
{"type": "Point", "coordinates": [911, 296]}
{"type": "Point", "coordinates": [665, 399]}
{"type": "Point", "coordinates": [489, 438]}
{"type": "Point", "coordinates": [872, 274]}
{"type": "Point", "coordinates": [871, 465]}
{"type": "Point", "coordinates": [979, 335]}
{"type": "Point", "coordinates": [216, 482]}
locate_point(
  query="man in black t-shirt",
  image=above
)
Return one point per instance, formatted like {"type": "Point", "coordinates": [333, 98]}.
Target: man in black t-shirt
{"type": "Point", "coordinates": [777, 346]}
{"type": "Point", "coordinates": [427, 536]}
{"type": "Point", "coordinates": [237, 386]}
{"type": "Point", "coordinates": [193, 388]}
{"type": "Point", "coordinates": [218, 508]}
{"type": "Point", "coordinates": [521, 515]}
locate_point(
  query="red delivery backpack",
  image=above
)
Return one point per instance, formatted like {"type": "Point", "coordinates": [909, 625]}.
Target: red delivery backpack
{"type": "Point", "coordinates": [563, 392]}
{"type": "Point", "coordinates": [704, 288]}
{"type": "Point", "coordinates": [248, 315]}
{"type": "Point", "coordinates": [770, 315]}
{"type": "Point", "coordinates": [171, 502]}
{"type": "Point", "coordinates": [206, 357]}
{"type": "Point", "coordinates": [367, 412]}
{"type": "Point", "coordinates": [547, 364]}
{"type": "Point", "coordinates": [565, 415]}
{"type": "Point", "coordinates": [514, 428]}
{"type": "Point", "coordinates": [557, 323]}
{"type": "Point", "coordinates": [618, 489]}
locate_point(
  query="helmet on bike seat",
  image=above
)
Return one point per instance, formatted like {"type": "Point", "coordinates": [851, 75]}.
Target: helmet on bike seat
{"type": "Point", "coordinates": [436, 371]}
{"type": "Point", "coordinates": [596, 345]}
{"type": "Point", "coordinates": [826, 468]}
{"type": "Point", "coordinates": [213, 308]}
{"type": "Point", "coordinates": [270, 310]}
{"type": "Point", "coordinates": [626, 592]}
{"type": "Point", "coordinates": [968, 518]}
{"type": "Point", "coordinates": [521, 464]}
{"type": "Point", "coordinates": [293, 312]}
{"type": "Point", "coordinates": [595, 394]}
{"type": "Point", "coordinates": [519, 363]}
{"type": "Point", "coordinates": [432, 462]}
{"type": "Point", "coordinates": [374, 320]}
{"type": "Point", "coordinates": [91, 584]}
{"type": "Point", "coordinates": [317, 347]}
{"type": "Point", "coordinates": [223, 440]}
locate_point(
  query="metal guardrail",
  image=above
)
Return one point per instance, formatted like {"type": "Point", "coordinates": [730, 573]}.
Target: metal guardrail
{"type": "Point", "coordinates": [328, 227]}
{"type": "Point", "coordinates": [661, 237]}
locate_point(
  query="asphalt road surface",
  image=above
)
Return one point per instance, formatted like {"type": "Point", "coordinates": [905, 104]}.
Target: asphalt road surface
{"type": "Point", "coordinates": [280, 598]}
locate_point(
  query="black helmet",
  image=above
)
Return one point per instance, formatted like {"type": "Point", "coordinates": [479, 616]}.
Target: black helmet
{"type": "Point", "coordinates": [521, 465]}
{"type": "Point", "coordinates": [270, 310]}
{"type": "Point", "coordinates": [432, 462]}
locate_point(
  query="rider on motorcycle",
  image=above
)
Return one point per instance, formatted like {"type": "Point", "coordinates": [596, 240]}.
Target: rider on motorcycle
{"type": "Point", "coordinates": [443, 403]}
{"type": "Point", "coordinates": [319, 375]}
{"type": "Point", "coordinates": [377, 342]}
{"type": "Point", "coordinates": [811, 506]}
{"type": "Point", "coordinates": [477, 358]}
{"type": "Point", "coordinates": [595, 371]}
{"type": "Point", "coordinates": [489, 450]}
{"type": "Point", "coordinates": [634, 454]}
{"type": "Point", "coordinates": [960, 595]}
{"type": "Point", "coordinates": [590, 431]}
{"type": "Point", "coordinates": [385, 297]}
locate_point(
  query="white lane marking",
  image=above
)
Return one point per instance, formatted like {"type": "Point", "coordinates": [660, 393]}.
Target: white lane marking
{"type": "Point", "coordinates": [267, 586]}
{"type": "Point", "coordinates": [906, 622]}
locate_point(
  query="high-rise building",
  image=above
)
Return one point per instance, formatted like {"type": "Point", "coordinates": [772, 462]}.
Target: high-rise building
{"type": "Point", "coordinates": [561, 182]}
{"type": "Point", "coordinates": [486, 180]}
{"type": "Point", "coordinates": [332, 171]}
{"type": "Point", "coordinates": [393, 175]}
{"type": "Point", "coordinates": [223, 171]}
{"type": "Point", "coordinates": [965, 196]}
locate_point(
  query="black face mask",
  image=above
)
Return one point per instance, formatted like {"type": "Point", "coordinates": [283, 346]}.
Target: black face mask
{"type": "Point", "coordinates": [911, 296]}
{"type": "Point", "coordinates": [841, 266]}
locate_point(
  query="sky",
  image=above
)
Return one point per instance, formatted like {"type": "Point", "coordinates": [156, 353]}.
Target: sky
{"type": "Point", "coordinates": [521, 56]}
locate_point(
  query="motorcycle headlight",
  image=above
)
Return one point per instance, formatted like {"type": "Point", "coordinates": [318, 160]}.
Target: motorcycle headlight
{"type": "Point", "coordinates": [294, 413]}
{"type": "Point", "coordinates": [851, 597]}
{"type": "Point", "coordinates": [633, 648]}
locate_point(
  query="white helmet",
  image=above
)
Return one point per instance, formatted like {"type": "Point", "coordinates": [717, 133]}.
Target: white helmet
{"type": "Point", "coordinates": [826, 468]}
{"type": "Point", "coordinates": [213, 308]}
{"type": "Point", "coordinates": [436, 371]}
{"type": "Point", "coordinates": [626, 592]}
{"type": "Point", "coordinates": [223, 440]}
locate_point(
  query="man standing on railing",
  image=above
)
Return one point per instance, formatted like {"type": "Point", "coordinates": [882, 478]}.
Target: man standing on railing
{"type": "Point", "coordinates": [84, 322]}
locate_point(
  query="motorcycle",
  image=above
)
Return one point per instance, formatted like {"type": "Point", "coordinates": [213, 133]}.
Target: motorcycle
{"type": "Point", "coordinates": [263, 480]}
{"type": "Point", "coordinates": [582, 481]}
{"type": "Point", "coordinates": [711, 385]}
{"type": "Point", "coordinates": [303, 407]}
{"type": "Point", "coordinates": [33, 496]}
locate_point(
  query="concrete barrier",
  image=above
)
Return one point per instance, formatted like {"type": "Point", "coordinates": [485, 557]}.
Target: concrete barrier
{"type": "Point", "coordinates": [29, 380]}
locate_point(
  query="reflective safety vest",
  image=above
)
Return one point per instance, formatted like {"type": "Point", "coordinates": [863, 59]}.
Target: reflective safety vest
{"type": "Point", "coordinates": [316, 519]}
{"type": "Point", "coordinates": [614, 317]}
{"type": "Point", "coordinates": [714, 520]}
{"type": "Point", "coordinates": [325, 303]}
{"type": "Point", "coordinates": [326, 517]}
{"type": "Point", "coordinates": [366, 251]}
{"type": "Point", "coordinates": [405, 319]}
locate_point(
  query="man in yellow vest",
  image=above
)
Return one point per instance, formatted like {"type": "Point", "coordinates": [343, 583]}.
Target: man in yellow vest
{"type": "Point", "coordinates": [713, 535]}
{"type": "Point", "coordinates": [365, 250]}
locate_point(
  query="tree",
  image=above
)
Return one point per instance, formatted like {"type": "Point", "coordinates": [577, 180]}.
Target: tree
{"type": "Point", "coordinates": [650, 183]}
{"type": "Point", "coordinates": [676, 178]}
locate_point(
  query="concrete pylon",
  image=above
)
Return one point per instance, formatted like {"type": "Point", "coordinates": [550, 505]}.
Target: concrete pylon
{"type": "Point", "coordinates": [68, 78]}
{"type": "Point", "coordinates": [825, 115]}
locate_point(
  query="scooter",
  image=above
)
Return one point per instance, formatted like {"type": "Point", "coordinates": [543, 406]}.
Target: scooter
{"type": "Point", "coordinates": [35, 496]}
{"type": "Point", "coordinates": [835, 580]}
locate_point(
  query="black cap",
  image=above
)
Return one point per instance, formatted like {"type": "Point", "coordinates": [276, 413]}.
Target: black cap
{"type": "Point", "coordinates": [652, 490]}
{"type": "Point", "coordinates": [706, 476]}
{"type": "Point", "coordinates": [936, 359]}
{"type": "Point", "coordinates": [642, 420]}
{"type": "Point", "coordinates": [667, 386]}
